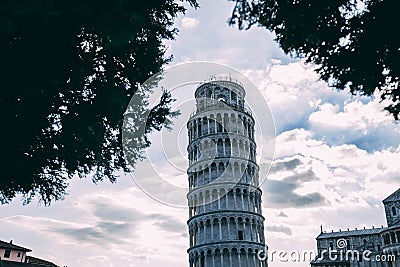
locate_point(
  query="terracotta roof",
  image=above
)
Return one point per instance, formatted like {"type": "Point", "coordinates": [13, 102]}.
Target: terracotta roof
{"type": "Point", "coordinates": [10, 245]}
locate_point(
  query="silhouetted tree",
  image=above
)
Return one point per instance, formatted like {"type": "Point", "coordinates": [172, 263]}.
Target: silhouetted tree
{"type": "Point", "coordinates": [68, 71]}
{"type": "Point", "coordinates": [353, 43]}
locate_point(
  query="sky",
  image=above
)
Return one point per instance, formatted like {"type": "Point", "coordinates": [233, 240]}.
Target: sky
{"type": "Point", "coordinates": [335, 159]}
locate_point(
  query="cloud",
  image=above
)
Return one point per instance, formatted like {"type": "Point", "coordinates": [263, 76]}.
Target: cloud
{"type": "Point", "coordinates": [287, 177]}
{"type": "Point", "coordinates": [279, 229]}
{"type": "Point", "coordinates": [169, 223]}
{"type": "Point", "coordinates": [362, 124]}
{"type": "Point", "coordinates": [281, 214]}
{"type": "Point", "coordinates": [102, 233]}
{"type": "Point", "coordinates": [281, 193]}
{"type": "Point", "coordinates": [188, 23]}
{"type": "Point", "coordinates": [212, 39]}
{"type": "Point", "coordinates": [293, 92]}
{"type": "Point", "coordinates": [286, 165]}
{"type": "Point", "coordinates": [299, 100]}
{"type": "Point", "coordinates": [109, 211]}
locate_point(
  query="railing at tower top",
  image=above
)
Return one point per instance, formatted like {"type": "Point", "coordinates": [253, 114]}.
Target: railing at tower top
{"type": "Point", "coordinates": [222, 79]}
{"type": "Point", "coordinates": [222, 106]}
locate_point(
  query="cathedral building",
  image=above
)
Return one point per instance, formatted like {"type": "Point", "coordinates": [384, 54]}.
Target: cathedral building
{"type": "Point", "coordinates": [375, 247]}
{"type": "Point", "coordinates": [226, 225]}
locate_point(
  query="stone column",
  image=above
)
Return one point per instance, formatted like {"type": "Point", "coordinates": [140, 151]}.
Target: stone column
{"type": "Point", "coordinates": [241, 195]}
{"type": "Point", "coordinates": [234, 198]}
{"type": "Point", "coordinates": [227, 200]}
{"type": "Point", "coordinates": [229, 228]}
{"type": "Point", "coordinates": [220, 230]}
{"type": "Point", "coordinates": [248, 201]}
{"type": "Point", "coordinates": [204, 203]}
{"type": "Point", "coordinates": [251, 231]}
{"type": "Point", "coordinates": [244, 230]}
{"type": "Point", "coordinates": [212, 230]}
{"type": "Point", "coordinates": [205, 232]}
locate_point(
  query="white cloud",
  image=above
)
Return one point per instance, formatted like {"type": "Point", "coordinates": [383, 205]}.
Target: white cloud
{"type": "Point", "coordinates": [188, 23]}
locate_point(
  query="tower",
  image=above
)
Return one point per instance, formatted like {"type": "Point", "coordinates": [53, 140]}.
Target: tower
{"type": "Point", "coordinates": [226, 227]}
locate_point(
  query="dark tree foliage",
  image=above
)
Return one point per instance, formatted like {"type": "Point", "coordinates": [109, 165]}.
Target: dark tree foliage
{"type": "Point", "coordinates": [68, 71]}
{"type": "Point", "coordinates": [354, 43]}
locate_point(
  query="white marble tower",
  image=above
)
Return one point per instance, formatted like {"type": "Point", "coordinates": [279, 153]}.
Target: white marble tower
{"type": "Point", "coordinates": [226, 227]}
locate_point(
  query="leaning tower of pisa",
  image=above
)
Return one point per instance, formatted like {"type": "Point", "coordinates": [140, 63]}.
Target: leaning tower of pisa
{"type": "Point", "coordinates": [226, 227]}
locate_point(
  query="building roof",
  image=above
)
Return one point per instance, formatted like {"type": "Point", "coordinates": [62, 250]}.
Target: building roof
{"type": "Point", "coordinates": [10, 245]}
{"type": "Point", "coordinates": [372, 231]}
{"type": "Point", "coordinates": [39, 262]}
{"type": "Point", "coordinates": [393, 197]}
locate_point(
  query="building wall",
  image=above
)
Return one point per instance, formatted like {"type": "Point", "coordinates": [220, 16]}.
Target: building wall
{"type": "Point", "coordinates": [383, 243]}
{"type": "Point", "coordinates": [13, 255]}
{"type": "Point", "coordinates": [372, 242]}
{"type": "Point", "coordinates": [392, 211]}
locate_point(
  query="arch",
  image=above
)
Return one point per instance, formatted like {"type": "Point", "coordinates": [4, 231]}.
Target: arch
{"type": "Point", "coordinates": [228, 147]}
{"type": "Point", "coordinates": [236, 171]}
{"type": "Point", "coordinates": [220, 148]}
{"type": "Point", "coordinates": [225, 123]}
{"type": "Point", "coordinates": [221, 168]}
{"type": "Point", "coordinates": [392, 237]}
{"type": "Point", "coordinates": [213, 171]}
{"type": "Point", "coordinates": [212, 124]}
{"type": "Point", "coordinates": [205, 125]}
{"type": "Point", "coordinates": [214, 199]}
{"type": "Point", "coordinates": [243, 173]}
{"type": "Point", "coordinates": [221, 98]}
{"type": "Point", "coordinates": [199, 127]}
{"type": "Point", "coordinates": [209, 93]}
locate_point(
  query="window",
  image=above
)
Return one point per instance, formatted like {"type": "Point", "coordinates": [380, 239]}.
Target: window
{"type": "Point", "coordinates": [240, 235]}
{"type": "Point", "coordinates": [7, 253]}
{"type": "Point", "coordinates": [209, 93]}
{"type": "Point", "coordinates": [393, 238]}
{"type": "Point", "coordinates": [19, 254]}
{"type": "Point", "coordinates": [394, 212]}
